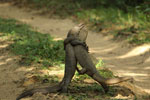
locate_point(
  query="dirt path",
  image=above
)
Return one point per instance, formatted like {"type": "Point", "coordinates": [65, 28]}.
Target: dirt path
{"type": "Point", "coordinates": [120, 57]}
{"type": "Point", "coordinates": [10, 73]}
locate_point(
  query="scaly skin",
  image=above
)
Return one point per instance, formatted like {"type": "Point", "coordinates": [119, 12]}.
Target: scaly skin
{"type": "Point", "coordinates": [70, 67]}
{"type": "Point", "coordinates": [70, 60]}
{"type": "Point", "coordinates": [89, 68]}
{"type": "Point", "coordinates": [76, 50]}
{"type": "Point", "coordinates": [85, 61]}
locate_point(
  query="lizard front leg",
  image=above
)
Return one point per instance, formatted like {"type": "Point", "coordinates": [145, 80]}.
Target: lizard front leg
{"type": "Point", "coordinates": [82, 71]}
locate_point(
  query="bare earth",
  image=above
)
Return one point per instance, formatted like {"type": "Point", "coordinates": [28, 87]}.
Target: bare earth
{"type": "Point", "coordinates": [122, 58]}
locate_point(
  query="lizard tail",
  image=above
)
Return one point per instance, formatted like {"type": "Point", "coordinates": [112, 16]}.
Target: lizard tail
{"type": "Point", "coordinates": [45, 90]}
{"type": "Point", "coordinates": [112, 81]}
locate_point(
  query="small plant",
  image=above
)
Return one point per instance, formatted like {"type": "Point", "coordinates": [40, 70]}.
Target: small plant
{"type": "Point", "coordinates": [100, 63]}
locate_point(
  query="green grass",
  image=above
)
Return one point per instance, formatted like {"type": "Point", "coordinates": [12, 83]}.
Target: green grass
{"type": "Point", "coordinates": [33, 46]}
{"type": "Point", "coordinates": [103, 15]}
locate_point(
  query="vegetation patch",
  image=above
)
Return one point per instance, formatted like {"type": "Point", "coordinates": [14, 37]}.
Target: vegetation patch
{"type": "Point", "coordinates": [33, 46]}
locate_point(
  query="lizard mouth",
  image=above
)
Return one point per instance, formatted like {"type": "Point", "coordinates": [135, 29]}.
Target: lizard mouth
{"type": "Point", "coordinates": [77, 29]}
{"type": "Point", "coordinates": [81, 26]}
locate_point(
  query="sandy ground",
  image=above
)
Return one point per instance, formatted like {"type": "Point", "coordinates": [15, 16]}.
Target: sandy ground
{"type": "Point", "coordinates": [9, 73]}
{"type": "Point", "coordinates": [123, 59]}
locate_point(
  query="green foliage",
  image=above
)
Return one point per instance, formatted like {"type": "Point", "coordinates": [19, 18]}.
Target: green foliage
{"type": "Point", "coordinates": [103, 14]}
{"type": "Point", "coordinates": [106, 73]}
{"type": "Point", "coordinates": [100, 63]}
{"type": "Point", "coordinates": [88, 3]}
{"type": "Point", "coordinates": [32, 45]}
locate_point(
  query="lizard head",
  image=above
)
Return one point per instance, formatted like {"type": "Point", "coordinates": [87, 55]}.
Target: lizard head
{"type": "Point", "coordinates": [76, 30]}
{"type": "Point", "coordinates": [79, 31]}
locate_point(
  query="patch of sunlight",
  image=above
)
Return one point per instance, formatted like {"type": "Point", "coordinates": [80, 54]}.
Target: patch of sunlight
{"type": "Point", "coordinates": [135, 74]}
{"type": "Point", "coordinates": [52, 72]}
{"type": "Point", "coordinates": [147, 90]}
{"type": "Point", "coordinates": [147, 68]}
{"type": "Point", "coordinates": [25, 69]}
{"type": "Point", "coordinates": [2, 57]}
{"type": "Point", "coordinates": [26, 20]}
{"type": "Point", "coordinates": [120, 97]}
{"type": "Point", "coordinates": [2, 63]}
{"type": "Point", "coordinates": [137, 51]}
{"type": "Point", "coordinates": [9, 59]}
{"type": "Point", "coordinates": [3, 46]}
{"type": "Point", "coordinates": [97, 50]}
{"type": "Point", "coordinates": [56, 39]}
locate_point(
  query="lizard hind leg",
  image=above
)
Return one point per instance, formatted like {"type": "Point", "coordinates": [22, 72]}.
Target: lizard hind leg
{"type": "Point", "coordinates": [101, 80]}
{"type": "Point", "coordinates": [82, 71]}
